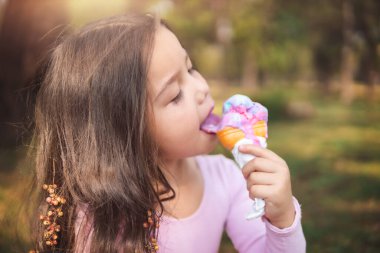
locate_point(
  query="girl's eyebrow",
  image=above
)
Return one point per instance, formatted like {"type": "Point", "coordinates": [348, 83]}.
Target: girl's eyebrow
{"type": "Point", "coordinates": [170, 79]}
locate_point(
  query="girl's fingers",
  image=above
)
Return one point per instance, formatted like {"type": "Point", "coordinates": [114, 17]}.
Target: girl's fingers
{"type": "Point", "coordinates": [261, 152]}
{"type": "Point", "coordinates": [260, 178]}
{"type": "Point", "coordinates": [259, 164]}
{"type": "Point", "coordinates": [260, 191]}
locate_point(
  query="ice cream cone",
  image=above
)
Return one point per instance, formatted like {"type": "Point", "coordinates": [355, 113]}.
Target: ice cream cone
{"type": "Point", "coordinates": [228, 137]}
{"type": "Point", "coordinates": [243, 122]}
{"type": "Point", "coordinates": [260, 129]}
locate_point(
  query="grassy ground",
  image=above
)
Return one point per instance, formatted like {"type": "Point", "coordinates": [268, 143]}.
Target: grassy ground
{"type": "Point", "coordinates": [333, 154]}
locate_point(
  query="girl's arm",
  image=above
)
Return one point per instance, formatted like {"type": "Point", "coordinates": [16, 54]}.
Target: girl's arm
{"type": "Point", "coordinates": [258, 235]}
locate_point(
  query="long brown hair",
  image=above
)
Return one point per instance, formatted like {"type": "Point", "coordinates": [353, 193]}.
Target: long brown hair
{"type": "Point", "coordinates": [92, 131]}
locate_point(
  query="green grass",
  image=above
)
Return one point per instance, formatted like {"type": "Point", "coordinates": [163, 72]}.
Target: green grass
{"type": "Point", "coordinates": [333, 156]}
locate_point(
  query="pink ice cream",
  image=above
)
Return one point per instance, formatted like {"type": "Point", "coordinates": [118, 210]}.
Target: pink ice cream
{"type": "Point", "coordinates": [240, 112]}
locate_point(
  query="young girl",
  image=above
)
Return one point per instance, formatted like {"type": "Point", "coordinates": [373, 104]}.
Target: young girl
{"type": "Point", "coordinates": [120, 153]}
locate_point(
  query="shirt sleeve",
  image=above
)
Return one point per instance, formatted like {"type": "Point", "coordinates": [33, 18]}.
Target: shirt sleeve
{"type": "Point", "coordinates": [83, 230]}
{"type": "Point", "coordinates": [258, 235]}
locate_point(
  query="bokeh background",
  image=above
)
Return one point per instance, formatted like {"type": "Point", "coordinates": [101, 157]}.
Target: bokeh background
{"type": "Point", "coordinates": [314, 64]}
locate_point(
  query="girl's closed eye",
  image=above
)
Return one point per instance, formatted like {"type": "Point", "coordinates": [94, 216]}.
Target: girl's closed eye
{"type": "Point", "coordinates": [179, 95]}
{"type": "Point", "coordinates": [177, 98]}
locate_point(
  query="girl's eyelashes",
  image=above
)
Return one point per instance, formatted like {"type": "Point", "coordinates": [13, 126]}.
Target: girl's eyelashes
{"type": "Point", "coordinates": [178, 97]}
{"type": "Point", "coordinates": [191, 70]}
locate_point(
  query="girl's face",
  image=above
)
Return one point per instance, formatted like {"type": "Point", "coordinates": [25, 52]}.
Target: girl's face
{"type": "Point", "coordinates": [180, 98]}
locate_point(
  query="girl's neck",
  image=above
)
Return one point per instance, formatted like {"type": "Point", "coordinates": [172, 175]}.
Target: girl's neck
{"type": "Point", "coordinates": [185, 178]}
{"type": "Point", "coordinates": [177, 172]}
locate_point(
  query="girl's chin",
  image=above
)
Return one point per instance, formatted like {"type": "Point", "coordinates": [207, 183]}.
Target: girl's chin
{"type": "Point", "coordinates": [210, 136]}
{"type": "Point", "coordinates": [212, 144]}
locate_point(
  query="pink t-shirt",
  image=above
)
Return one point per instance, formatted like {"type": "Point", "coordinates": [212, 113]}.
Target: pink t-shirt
{"type": "Point", "coordinates": [224, 206]}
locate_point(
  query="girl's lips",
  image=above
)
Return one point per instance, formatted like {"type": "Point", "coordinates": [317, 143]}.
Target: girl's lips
{"type": "Point", "coordinates": [211, 123]}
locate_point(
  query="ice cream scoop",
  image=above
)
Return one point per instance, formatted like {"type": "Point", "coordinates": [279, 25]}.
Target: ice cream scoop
{"type": "Point", "coordinates": [243, 122]}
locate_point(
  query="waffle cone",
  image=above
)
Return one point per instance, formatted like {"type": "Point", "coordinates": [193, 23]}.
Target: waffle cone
{"type": "Point", "coordinates": [228, 136]}
{"type": "Point", "coordinates": [260, 129]}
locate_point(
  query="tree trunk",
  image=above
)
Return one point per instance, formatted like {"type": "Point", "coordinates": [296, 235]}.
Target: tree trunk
{"type": "Point", "coordinates": [29, 27]}
{"type": "Point", "coordinates": [374, 82]}
{"type": "Point", "coordinates": [366, 19]}
{"type": "Point", "coordinates": [249, 73]}
{"type": "Point", "coordinates": [348, 58]}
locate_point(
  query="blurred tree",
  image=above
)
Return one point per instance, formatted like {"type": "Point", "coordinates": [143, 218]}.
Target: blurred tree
{"type": "Point", "coordinates": [250, 22]}
{"type": "Point", "coordinates": [193, 21]}
{"type": "Point", "coordinates": [348, 55]}
{"type": "Point", "coordinates": [258, 40]}
{"type": "Point", "coordinates": [323, 19]}
{"type": "Point", "coordinates": [270, 38]}
{"type": "Point", "coordinates": [344, 37]}
{"type": "Point", "coordinates": [368, 28]}
{"type": "Point", "coordinates": [28, 29]}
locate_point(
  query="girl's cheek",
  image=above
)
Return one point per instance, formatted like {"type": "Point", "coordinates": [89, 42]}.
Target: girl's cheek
{"type": "Point", "coordinates": [152, 122]}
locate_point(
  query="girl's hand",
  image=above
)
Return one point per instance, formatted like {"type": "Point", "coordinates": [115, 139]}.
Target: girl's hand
{"type": "Point", "coordinates": [268, 178]}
